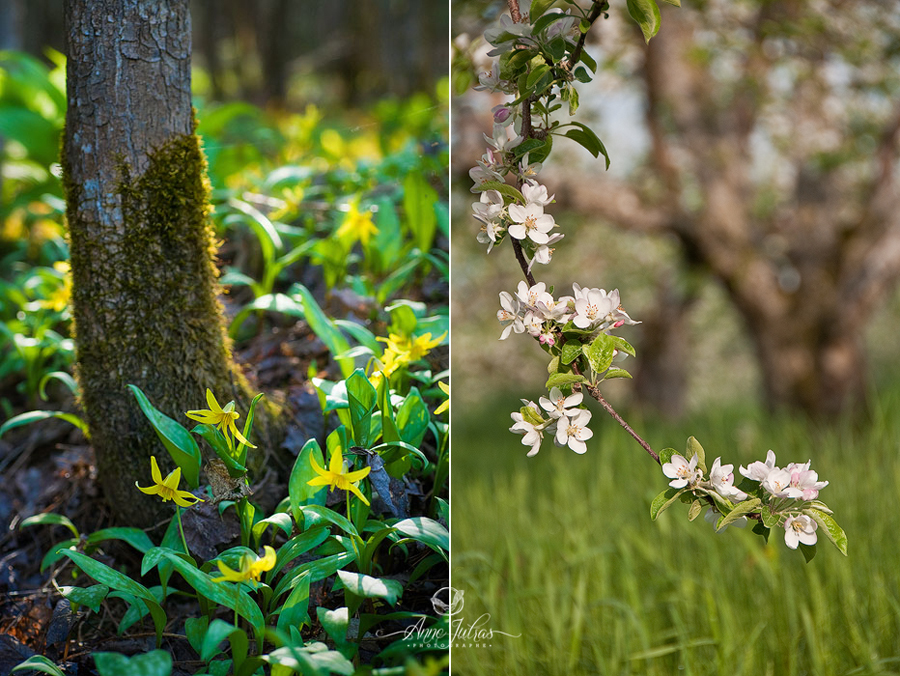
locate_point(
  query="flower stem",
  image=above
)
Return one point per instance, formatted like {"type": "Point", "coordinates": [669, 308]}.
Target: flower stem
{"type": "Point", "coordinates": [181, 530]}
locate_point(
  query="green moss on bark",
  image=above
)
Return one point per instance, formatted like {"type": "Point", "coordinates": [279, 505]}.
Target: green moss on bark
{"type": "Point", "coordinates": [146, 312]}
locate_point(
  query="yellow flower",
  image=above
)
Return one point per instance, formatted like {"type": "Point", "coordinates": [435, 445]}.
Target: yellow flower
{"type": "Point", "coordinates": [167, 488]}
{"type": "Point", "coordinates": [405, 349]}
{"type": "Point", "coordinates": [446, 405]}
{"type": "Point", "coordinates": [335, 477]}
{"type": "Point", "coordinates": [59, 298]}
{"type": "Point", "coordinates": [357, 226]}
{"type": "Point", "coordinates": [251, 567]}
{"type": "Point", "coordinates": [223, 418]}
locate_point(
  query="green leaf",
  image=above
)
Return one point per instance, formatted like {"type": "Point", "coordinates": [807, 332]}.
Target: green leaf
{"type": "Point", "coordinates": [646, 15]}
{"type": "Point", "coordinates": [623, 345]}
{"type": "Point", "coordinates": [195, 630]}
{"type": "Point", "coordinates": [241, 451]}
{"type": "Point", "coordinates": [536, 74]}
{"type": "Point", "coordinates": [561, 379]}
{"type": "Point", "coordinates": [504, 189]}
{"type": "Point", "coordinates": [553, 365]}
{"type": "Point", "coordinates": [177, 440]}
{"type": "Point", "coordinates": [571, 350]}
{"type": "Point", "coordinates": [694, 448]}
{"type": "Point", "coordinates": [362, 397]}
{"type": "Point", "coordinates": [529, 415]}
{"type": "Point", "coordinates": [315, 514]}
{"type": "Point", "coordinates": [586, 137]}
{"type": "Point", "coordinates": [116, 580]}
{"type": "Point", "coordinates": [299, 491]}
{"type": "Point", "coordinates": [218, 631]}
{"type": "Point", "coordinates": [323, 327]}
{"type": "Point", "coordinates": [694, 510]}
{"type": "Point", "coordinates": [662, 501]}
{"type": "Point", "coordinates": [224, 594]}
{"type": "Point", "coordinates": [219, 444]}
{"type": "Point", "coordinates": [740, 509]}
{"type": "Point", "coordinates": [335, 623]}
{"type": "Point", "coordinates": [91, 597]}
{"type": "Point", "coordinates": [300, 544]}
{"type": "Point", "coordinates": [153, 663]}
{"type": "Point", "coordinates": [371, 587]}
{"type": "Point", "coordinates": [34, 416]}
{"type": "Point", "coordinates": [136, 537]}
{"type": "Point", "coordinates": [269, 239]}
{"type": "Point", "coordinates": [770, 518]}
{"type": "Point", "coordinates": [427, 531]}
{"type": "Point", "coordinates": [616, 373]}
{"type": "Point", "coordinates": [294, 611]}
{"type": "Point", "coordinates": [538, 8]}
{"type": "Point", "coordinates": [413, 418]}
{"type": "Point", "coordinates": [38, 663]}
{"type": "Point", "coordinates": [600, 353]}
{"type": "Point", "coordinates": [834, 532]}
{"type": "Point", "coordinates": [677, 3]}
{"type": "Point", "coordinates": [419, 199]}
{"type": "Point", "coordinates": [39, 136]}
{"type": "Point", "coordinates": [52, 519]}
{"type": "Point", "coordinates": [808, 551]}
{"type": "Point", "coordinates": [279, 520]}
{"type": "Point", "coordinates": [272, 302]}
{"type": "Point", "coordinates": [665, 455]}
{"type": "Point", "coordinates": [62, 377]}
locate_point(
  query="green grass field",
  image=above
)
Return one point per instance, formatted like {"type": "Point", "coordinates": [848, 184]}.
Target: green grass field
{"type": "Point", "coordinates": [560, 548]}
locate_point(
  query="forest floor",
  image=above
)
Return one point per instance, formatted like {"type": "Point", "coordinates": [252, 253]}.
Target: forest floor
{"type": "Point", "coordinates": [49, 467]}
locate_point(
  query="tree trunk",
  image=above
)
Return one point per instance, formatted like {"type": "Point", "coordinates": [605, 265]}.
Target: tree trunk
{"type": "Point", "coordinates": [144, 283]}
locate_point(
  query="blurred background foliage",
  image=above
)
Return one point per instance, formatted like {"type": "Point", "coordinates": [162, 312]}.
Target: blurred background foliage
{"type": "Point", "coordinates": [750, 219]}
{"type": "Point", "coordinates": [327, 150]}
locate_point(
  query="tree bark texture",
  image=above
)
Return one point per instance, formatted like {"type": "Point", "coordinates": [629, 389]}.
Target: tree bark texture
{"type": "Point", "coordinates": [144, 282]}
{"type": "Point", "coordinates": [807, 274]}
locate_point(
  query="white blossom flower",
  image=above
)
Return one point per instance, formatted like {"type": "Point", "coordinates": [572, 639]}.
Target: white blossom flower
{"type": "Point", "coordinates": [533, 434]}
{"type": "Point", "coordinates": [533, 322]}
{"type": "Point", "coordinates": [489, 233]}
{"type": "Point", "coordinates": [511, 34]}
{"type": "Point", "coordinates": [574, 431]}
{"type": "Point", "coordinates": [490, 206]}
{"type": "Point", "coordinates": [777, 481]}
{"type": "Point", "coordinates": [535, 193]}
{"type": "Point", "coordinates": [508, 315]}
{"type": "Point", "coordinates": [799, 529]}
{"type": "Point", "coordinates": [530, 221]}
{"type": "Point", "coordinates": [532, 295]}
{"type": "Point", "coordinates": [528, 170]}
{"type": "Point", "coordinates": [504, 115]}
{"type": "Point", "coordinates": [681, 471]}
{"type": "Point", "coordinates": [805, 484]}
{"type": "Point", "coordinates": [758, 471]}
{"type": "Point", "coordinates": [592, 307]}
{"type": "Point", "coordinates": [558, 404]}
{"type": "Point", "coordinates": [490, 81]}
{"type": "Point", "coordinates": [501, 140]}
{"type": "Point", "coordinates": [544, 252]}
{"type": "Point", "coordinates": [480, 176]}
{"type": "Point", "coordinates": [722, 479]}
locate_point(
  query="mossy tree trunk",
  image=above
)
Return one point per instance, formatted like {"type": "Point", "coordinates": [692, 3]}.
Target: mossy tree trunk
{"type": "Point", "coordinates": [142, 246]}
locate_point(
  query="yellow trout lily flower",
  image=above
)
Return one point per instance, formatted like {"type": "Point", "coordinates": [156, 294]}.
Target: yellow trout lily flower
{"type": "Point", "coordinates": [357, 225]}
{"type": "Point", "coordinates": [335, 477]}
{"type": "Point", "coordinates": [251, 567]}
{"type": "Point", "coordinates": [167, 488]}
{"type": "Point", "coordinates": [446, 405]}
{"type": "Point", "coordinates": [223, 418]}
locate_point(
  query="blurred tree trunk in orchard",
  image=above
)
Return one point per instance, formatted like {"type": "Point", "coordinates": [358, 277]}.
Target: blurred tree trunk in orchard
{"type": "Point", "coordinates": [144, 283]}
{"type": "Point", "coordinates": [773, 157]}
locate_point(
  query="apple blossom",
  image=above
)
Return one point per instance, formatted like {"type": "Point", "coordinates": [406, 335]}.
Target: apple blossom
{"type": "Point", "coordinates": [508, 315]}
{"type": "Point", "coordinates": [758, 471]}
{"type": "Point", "coordinates": [535, 193]}
{"type": "Point", "coordinates": [574, 431]}
{"type": "Point", "coordinates": [777, 481]}
{"type": "Point", "coordinates": [530, 221]}
{"type": "Point", "coordinates": [558, 403]}
{"type": "Point", "coordinates": [544, 252]}
{"type": "Point", "coordinates": [799, 529]}
{"type": "Point", "coordinates": [722, 479]}
{"type": "Point", "coordinates": [532, 433]}
{"type": "Point", "coordinates": [681, 471]}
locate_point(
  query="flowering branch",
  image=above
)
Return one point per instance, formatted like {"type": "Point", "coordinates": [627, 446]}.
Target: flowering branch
{"type": "Point", "coordinates": [539, 58]}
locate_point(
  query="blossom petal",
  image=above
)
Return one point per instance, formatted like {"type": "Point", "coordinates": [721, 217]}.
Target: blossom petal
{"type": "Point", "coordinates": [211, 402]}
{"type": "Point", "coordinates": [353, 489]}
{"type": "Point", "coordinates": [238, 435]}
{"type": "Point", "coordinates": [150, 490]}
{"type": "Point", "coordinates": [358, 475]}
{"type": "Point", "coordinates": [323, 480]}
{"type": "Point", "coordinates": [337, 462]}
{"type": "Point", "coordinates": [154, 470]}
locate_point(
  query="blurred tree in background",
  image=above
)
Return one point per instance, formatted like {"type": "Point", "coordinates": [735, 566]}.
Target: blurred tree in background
{"type": "Point", "coordinates": [764, 145]}
{"type": "Point", "coordinates": [278, 52]}
{"type": "Point", "coordinates": [773, 153]}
